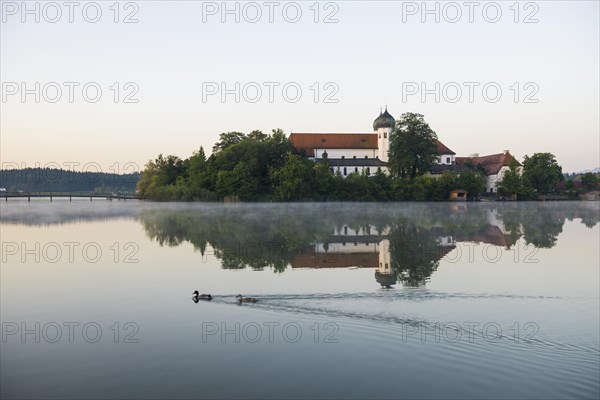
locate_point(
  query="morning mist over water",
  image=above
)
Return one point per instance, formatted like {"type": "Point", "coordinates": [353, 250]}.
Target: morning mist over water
{"type": "Point", "coordinates": [499, 297]}
{"type": "Point", "coordinates": [299, 200]}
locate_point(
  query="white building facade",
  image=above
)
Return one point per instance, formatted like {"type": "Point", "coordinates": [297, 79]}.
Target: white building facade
{"type": "Point", "coordinates": [358, 153]}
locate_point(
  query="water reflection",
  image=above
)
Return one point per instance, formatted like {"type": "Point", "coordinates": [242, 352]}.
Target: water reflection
{"type": "Point", "coordinates": [403, 243]}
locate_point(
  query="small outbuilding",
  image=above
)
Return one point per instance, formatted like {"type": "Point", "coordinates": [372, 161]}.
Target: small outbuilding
{"type": "Point", "coordinates": [458, 195]}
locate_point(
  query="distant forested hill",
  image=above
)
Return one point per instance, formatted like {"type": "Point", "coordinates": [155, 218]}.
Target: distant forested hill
{"type": "Point", "coordinates": [60, 180]}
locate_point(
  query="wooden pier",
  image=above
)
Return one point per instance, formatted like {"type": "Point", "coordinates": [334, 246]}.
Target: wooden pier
{"type": "Point", "coordinates": [70, 195]}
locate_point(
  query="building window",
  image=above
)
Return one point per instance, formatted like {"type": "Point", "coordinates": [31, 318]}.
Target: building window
{"type": "Point", "coordinates": [356, 169]}
{"type": "Point", "coordinates": [491, 190]}
{"type": "Point", "coordinates": [447, 160]}
{"type": "Point", "coordinates": [368, 171]}
{"type": "Point", "coordinates": [345, 230]}
{"type": "Point", "coordinates": [345, 173]}
{"type": "Point", "coordinates": [366, 157]}
{"type": "Point", "coordinates": [343, 157]}
{"type": "Point", "coordinates": [379, 135]}
{"type": "Point", "coordinates": [385, 135]}
{"type": "Point", "coordinates": [354, 157]}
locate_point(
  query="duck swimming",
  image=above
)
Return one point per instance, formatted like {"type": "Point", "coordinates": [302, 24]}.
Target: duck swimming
{"type": "Point", "coordinates": [197, 296]}
{"type": "Point", "coordinates": [246, 299]}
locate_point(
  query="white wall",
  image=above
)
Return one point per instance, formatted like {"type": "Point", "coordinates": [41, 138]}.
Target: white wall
{"type": "Point", "coordinates": [347, 153]}
{"type": "Point", "coordinates": [492, 180]}
{"type": "Point", "coordinates": [443, 159]}
{"type": "Point", "coordinates": [385, 259]}
{"type": "Point", "coordinates": [351, 170]}
{"type": "Point", "coordinates": [383, 143]}
{"type": "Point", "coordinates": [347, 248]}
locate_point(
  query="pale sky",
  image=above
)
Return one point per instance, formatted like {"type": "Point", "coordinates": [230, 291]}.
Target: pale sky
{"type": "Point", "coordinates": [377, 53]}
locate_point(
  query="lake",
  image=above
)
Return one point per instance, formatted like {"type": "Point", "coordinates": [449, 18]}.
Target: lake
{"type": "Point", "coordinates": [355, 300]}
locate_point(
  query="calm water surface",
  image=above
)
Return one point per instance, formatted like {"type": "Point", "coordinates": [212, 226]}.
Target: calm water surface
{"type": "Point", "coordinates": [488, 300]}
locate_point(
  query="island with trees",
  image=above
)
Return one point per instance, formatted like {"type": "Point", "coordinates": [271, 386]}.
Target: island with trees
{"type": "Point", "coordinates": [267, 167]}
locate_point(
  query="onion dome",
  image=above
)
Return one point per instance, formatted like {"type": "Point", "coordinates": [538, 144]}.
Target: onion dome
{"type": "Point", "coordinates": [385, 120]}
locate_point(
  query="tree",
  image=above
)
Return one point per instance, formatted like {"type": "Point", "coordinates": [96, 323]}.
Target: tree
{"type": "Point", "coordinates": [589, 180]}
{"type": "Point", "coordinates": [512, 182]}
{"type": "Point", "coordinates": [473, 181]}
{"type": "Point", "coordinates": [238, 182]}
{"type": "Point", "coordinates": [228, 139]}
{"type": "Point", "coordinates": [257, 136]}
{"type": "Point", "coordinates": [198, 177]}
{"type": "Point", "coordinates": [413, 147]}
{"type": "Point", "coordinates": [324, 179]}
{"type": "Point", "coordinates": [542, 172]}
{"type": "Point", "coordinates": [293, 180]}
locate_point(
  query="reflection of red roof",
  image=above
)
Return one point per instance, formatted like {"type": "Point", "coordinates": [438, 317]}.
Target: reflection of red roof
{"type": "Point", "coordinates": [442, 149]}
{"type": "Point", "coordinates": [311, 141]}
{"type": "Point", "coordinates": [310, 259]}
{"type": "Point", "coordinates": [491, 235]}
{"type": "Point", "coordinates": [492, 163]}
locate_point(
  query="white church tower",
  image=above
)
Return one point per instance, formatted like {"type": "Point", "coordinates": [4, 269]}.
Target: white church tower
{"type": "Point", "coordinates": [383, 126]}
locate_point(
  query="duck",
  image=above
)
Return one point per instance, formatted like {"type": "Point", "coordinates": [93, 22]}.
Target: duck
{"type": "Point", "coordinates": [242, 299]}
{"type": "Point", "coordinates": [197, 296]}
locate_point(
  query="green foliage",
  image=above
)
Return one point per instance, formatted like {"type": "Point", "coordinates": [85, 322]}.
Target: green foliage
{"type": "Point", "coordinates": [228, 139]}
{"type": "Point", "coordinates": [412, 146]}
{"type": "Point", "coordinates": [260, 167]}
{"type": "Point", "coordinates": [511, 183]}
{"type": "Point", "coordinates": [239, 182]}
{"type": "Point", "coordinates": [590, 180]}
{"type": "Point", "coordinates": [542, 172]}
{"type": "Point", "coordinates": [60, 180]}
{"type": "Point", "coordinates": [293, 180]}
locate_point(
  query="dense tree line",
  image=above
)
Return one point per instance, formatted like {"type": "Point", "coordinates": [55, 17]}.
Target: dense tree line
{"type": "Point", "coordinates": [261, 167]}
{"type": "Point", "coordinates": [60, 180]}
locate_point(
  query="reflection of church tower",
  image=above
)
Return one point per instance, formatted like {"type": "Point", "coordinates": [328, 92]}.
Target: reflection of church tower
{"type": "Point", "coordinates": [385, 266]}
{"type": "Point", "coordinates": [383, 125]}
{"type": "Point", "coordinates": [384, 274]}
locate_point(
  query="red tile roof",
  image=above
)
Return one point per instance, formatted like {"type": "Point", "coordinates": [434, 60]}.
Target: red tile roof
{"type": "Point", "coordinates": [311, 141]}
{"type": "Point", "coordinates": [310, 259]}
{"type": "Point", "coordinates": [442, 149]}
{"type": "Point", "coordinates": [491, 235]}
{"type": "Point", "coordinates": [492, 163]}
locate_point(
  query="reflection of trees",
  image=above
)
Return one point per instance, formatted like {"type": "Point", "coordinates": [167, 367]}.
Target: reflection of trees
{"type": "Point", "coordinates": [262, 236]}
{"type": "Point", "coordinates": [415, 254]}
{"type": "Point", "coordinates": [542, 223]}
